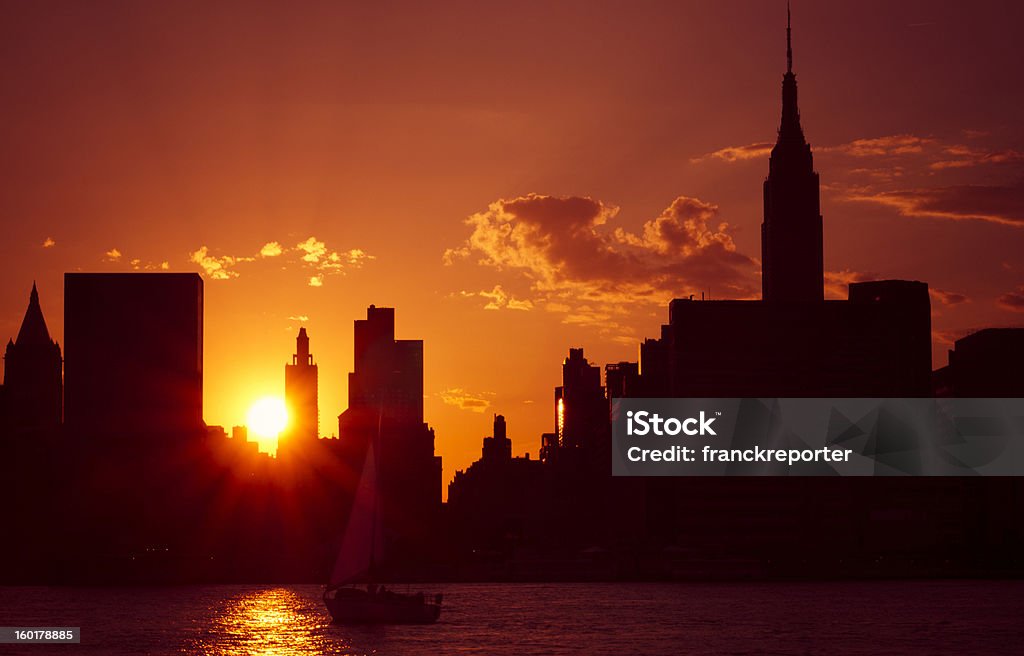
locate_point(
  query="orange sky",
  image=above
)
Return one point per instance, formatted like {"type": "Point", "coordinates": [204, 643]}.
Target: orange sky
{"type": "Point", "coordinates": [382, 150]}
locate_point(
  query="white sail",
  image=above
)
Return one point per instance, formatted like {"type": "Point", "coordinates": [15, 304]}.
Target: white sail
{"type": "Point", "coordinates": [362, 544]}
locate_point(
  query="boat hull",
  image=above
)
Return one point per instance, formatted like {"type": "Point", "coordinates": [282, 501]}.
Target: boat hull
{"type": "Point", "coordinates": [358, 607]}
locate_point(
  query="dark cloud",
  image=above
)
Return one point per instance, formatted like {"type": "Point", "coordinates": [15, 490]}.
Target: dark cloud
{"type": "Point", "coordinates": [960, 157]}
{"type": "Point", "coordinates": [1013, 301]}
{"type": "Point", "coordinates": [998, 204]}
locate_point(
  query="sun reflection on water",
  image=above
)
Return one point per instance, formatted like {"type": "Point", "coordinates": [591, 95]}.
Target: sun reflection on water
{"type": "Point", "coordinates": [270, 622]}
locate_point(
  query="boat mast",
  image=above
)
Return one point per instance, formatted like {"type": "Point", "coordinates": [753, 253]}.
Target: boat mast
{"type": "Point", "coordinates": [375, 512]}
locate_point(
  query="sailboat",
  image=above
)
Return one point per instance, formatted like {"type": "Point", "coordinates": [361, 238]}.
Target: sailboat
{"type": "Point", "coordinates": [353, 596]}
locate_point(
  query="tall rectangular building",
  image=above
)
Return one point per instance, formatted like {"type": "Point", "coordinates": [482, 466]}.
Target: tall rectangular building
{"type": "Point", "coordinates": [133, 356]}
{"type": "Point", "coordinates": [580, 406]}
{"type": "Point", "coordinates": [385, 408]}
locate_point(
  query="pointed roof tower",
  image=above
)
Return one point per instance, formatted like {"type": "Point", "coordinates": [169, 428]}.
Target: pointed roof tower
{"type": "Point", "coordinates": [33, 327]}
{"type": "Point", "coordinates": [791, 234]}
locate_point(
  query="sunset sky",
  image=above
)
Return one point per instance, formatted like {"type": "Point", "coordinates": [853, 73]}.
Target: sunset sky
{"type": "Point", "coordinates": [515, 178]}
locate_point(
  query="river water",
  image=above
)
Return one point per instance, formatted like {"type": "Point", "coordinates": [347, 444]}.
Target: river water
{"type": "Point", "coordinates": [933, 617]}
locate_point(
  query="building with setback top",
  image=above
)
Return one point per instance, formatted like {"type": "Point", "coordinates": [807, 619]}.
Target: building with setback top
{"type": "Point", "coordinates": [385, 409]}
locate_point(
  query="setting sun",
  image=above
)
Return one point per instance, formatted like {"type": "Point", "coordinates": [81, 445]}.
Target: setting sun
{"type": "Point", "coordinates": [266, 419]}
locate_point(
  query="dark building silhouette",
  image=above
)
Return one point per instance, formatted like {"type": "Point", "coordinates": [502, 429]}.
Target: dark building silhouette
{"type": "Point", "coordinates": [300, 396]}
{"type": "Point", "coordinates": [388, 376]}
{"type": "Point", "coordinates": [580, 407]}
{"type": "Point", "coordinates": [877, 343]}
{"type": "Point", "coordinates": [32, 375]}
{"type": "Point", "coordinates": [791, 235]}
{"type": "Point", "coordinates": [139, 504]}
{"type": "Point", "coordinates": [793, 342]}
{"type": "Point", "coordinates": [497, 448]}
{"type": "Point", "coordinates": [988, 363]}
{"type": "Point", "coordinates": [133, 355]}
{"type": "Point", "coordinates": [385, 407]}
{"type": "Point", "coordinates": [653, 367]}
{"type": "Point", "coordinates": [622, 379]}
{"type": "Point", "coordinates": [498, 502]}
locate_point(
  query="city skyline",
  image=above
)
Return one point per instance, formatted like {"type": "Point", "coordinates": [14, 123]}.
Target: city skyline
{"type": "Point", "coordinates": [157, 490]}
{"type": "Point", "coordinates": [261, 231]}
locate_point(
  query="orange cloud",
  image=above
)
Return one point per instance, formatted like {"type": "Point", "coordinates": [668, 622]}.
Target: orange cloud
{"type": "Point", "coordinates": [271, 249]}
{"type": "Point", "coordinates": [463, 400]}
{"type": "Point", "coordinates": [937, 154]}
{"type": "Point", "coordinates": [737, 153]}
{"type": "Point", "coordinates": [837, 283]}
{"type": "Point", "coordinates": [311, 253]}
{"type": "Point", "coordinates": [897, 144]}
{"type": "Point", "coordinates": [947, 297]}
{"type": "Point", "coordinates": [313, 248]}
{"type": "Point", "coordinates": [499, 299]}
{"type": "Point", "coordinates": [216, 268]}
{"type": "Point", "coordinates": [574, 262]}
{"type": "Point", "coordinates": [315, 253]}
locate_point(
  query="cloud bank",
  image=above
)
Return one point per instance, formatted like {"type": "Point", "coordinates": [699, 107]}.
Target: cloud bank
{"type": "Point", "coordinates": [311, 254]}
{"type": "Point", "coordinates": [575, 260]}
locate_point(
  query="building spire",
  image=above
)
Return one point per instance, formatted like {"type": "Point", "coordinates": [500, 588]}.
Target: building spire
{"type": "Point", "coordinates": [789, 40]}
{"type": "Point", "coordinates": [33, 326]}
{"type": "Point", "coordinates": [790, 130]}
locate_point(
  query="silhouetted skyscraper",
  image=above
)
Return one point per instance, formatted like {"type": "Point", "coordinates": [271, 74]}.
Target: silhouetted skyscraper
{"type": "Point", "coordinates": [388, 376]}
{"type": "Point", "coordinates": [622, 379]}
{"type": "Point", "coordinates": [497, 448]}
{"type": "Point", "coordinates": [300, 394]}
{"type": "Point", "coordinates": [32, 373]}
{"type": "Point", "coordinates": [580, 406]}
{"type": "Point", "coordinates": [133, 355]}
{"type": "Point", "coordinates": [385, 407]}
{"type": "Point", "coordinates": [497, 500]}
{"type": "Point", "coordinates": [791, 235]}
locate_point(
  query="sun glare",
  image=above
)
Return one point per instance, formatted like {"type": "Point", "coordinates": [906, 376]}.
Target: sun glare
{"type": "Point", "coordinates": [267, 418]}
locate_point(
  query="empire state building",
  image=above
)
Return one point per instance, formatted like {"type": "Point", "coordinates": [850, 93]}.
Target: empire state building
{"type": "Point", "coordinates": [791, 239]}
